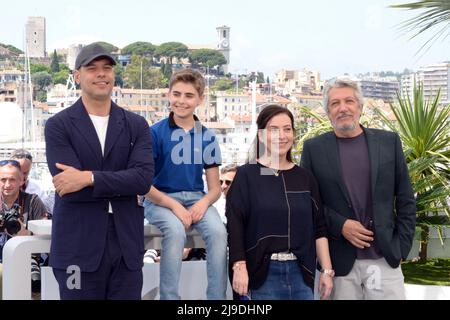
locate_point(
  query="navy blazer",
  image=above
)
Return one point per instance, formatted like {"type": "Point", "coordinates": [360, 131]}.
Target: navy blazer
{"type": "Point", "coordinates": [393, 202]}
{"type": "Point", "coordinates": [80, 219]}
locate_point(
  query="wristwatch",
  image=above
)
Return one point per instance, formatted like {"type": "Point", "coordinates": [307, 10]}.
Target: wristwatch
{"type": "Point", "coordinates": [329, 272]}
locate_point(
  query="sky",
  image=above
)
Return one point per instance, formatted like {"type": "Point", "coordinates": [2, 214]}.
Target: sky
{"type": "Point", "coordinates": [330, 36]}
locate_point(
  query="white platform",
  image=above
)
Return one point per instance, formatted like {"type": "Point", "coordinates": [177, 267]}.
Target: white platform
{"type": "Point", "coordinates": [17, 271]}
{"type": "Point", "coordinates": [420, 292]}
{"type": "Point", "coordinates": [192, 282]}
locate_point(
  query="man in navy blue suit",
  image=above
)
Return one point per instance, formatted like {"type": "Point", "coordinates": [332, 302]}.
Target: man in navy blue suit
{"type": "Point", "coordinates": [100, 157]}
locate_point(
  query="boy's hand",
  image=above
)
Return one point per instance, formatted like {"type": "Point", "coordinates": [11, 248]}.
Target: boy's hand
{"type": "Point", "coordinates": [184, 215]}
{"type": "Point", "coordinates": [198, 210]}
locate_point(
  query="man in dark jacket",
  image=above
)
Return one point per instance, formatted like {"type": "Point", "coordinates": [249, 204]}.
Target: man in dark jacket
{"type": "Point", "coordinates": [368, 200]}
{"type": "Point", "coordinates": [100, 156]}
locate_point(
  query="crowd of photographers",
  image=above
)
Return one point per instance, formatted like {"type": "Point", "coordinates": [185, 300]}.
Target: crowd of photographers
{"type": "Point", "coordinates": [21, 200]}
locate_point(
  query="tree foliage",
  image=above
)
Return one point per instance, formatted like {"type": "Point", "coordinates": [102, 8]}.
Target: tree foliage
{"type": "Point", "coordinates": [11, 48]}
{"type": "Point", "coordinates": [151, 77]}
{"type": "Point", "coordinates": [260, 77]}
{"type": "Point", "coordinates": [139, 48]}
{"type": "Point", "coordinates": [223, 84]}
{"type": "Point", "coordinates": [39, 67]}
{"type": "Point", "coordinates": [172, 50]}
{"type": "Point", "coordinates": [166, 70]}
{"type": "Point", "coordinates": [435, 17]}
{"type": "Point", "coordinates": [54, 66]}
{"type": "Point", "coordinates": [118, 75]}
{"type": "Point", "coordinates": [156, 79]}
{"type": "Point", "coordinates": [42, 80]}
{"type": "Point", "coordinates": [41, 96]}
{"type": "Point", "coordinates": [60, 77]}
{"type": "Point", "coordinates": [424, 128]}
{"type": "Point", "coordinates": [207, 57]}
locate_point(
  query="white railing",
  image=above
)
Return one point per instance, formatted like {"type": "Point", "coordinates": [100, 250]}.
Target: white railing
{"type": "Point", "coordinates": [17, 255]}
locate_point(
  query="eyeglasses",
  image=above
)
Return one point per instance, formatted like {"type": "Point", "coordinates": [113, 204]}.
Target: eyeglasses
{"type": "Point", "coordinates": [227, 182]}
{"type": "Point", "coordinates": [14, 163]}
{"type": "Point", "coordinates": [22, 155]}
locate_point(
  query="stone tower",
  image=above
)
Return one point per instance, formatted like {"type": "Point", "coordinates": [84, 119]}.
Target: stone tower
{"type": "Point", "coordinates": [35, 37]}
{"type": "Point", "coordinates": [224, 44]}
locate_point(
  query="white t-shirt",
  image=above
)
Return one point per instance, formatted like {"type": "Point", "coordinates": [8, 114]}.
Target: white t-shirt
{"type": "Point", "coordinates": [101, 127]}
{"type": "Point", "coordinates": [34, 187]}
{"type": "Point", "coordinates": [220, 206]}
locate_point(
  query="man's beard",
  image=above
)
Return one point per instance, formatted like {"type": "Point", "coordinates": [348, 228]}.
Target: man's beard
{"type": "Point", "coordinates": [344, 127]}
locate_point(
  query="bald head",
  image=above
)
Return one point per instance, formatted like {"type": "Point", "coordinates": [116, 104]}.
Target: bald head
{"type": "Point", "coordinates": [11, 179]}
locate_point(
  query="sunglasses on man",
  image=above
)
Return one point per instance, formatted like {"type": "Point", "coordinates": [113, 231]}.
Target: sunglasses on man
{"type": "Point", "coordinates": [227, 182]}
{"type": "Point", "coordinates": [22, 155]}
{"type": "Point", "coordinates": [14, 163]}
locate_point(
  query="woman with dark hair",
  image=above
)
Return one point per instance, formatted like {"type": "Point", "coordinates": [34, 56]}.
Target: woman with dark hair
{"type": "Point", "coordinates": [275, 224]}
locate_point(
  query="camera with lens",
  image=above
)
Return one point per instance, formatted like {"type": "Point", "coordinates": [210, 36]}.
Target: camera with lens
{"type": "Point", "coordinates": [9, 220]}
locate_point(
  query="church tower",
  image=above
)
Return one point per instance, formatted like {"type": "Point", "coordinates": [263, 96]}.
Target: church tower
{"type": "Point", "coordinates": [224, 45]}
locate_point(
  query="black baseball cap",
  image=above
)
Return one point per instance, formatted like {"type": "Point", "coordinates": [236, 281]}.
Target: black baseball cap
{"type": "Point", "coordinates": [90, 53]}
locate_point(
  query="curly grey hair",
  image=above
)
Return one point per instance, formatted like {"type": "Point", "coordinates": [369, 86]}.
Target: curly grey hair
{"type": "Point", "coordinates": [342, 83]}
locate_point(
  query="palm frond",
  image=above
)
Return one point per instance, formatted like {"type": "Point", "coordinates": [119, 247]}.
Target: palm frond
{"type": "Point", "coordinates": [424, 130]}
{"type": "Point", "coordinates": [437, 13]}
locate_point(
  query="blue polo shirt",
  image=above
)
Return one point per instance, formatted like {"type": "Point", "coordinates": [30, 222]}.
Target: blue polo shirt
{"type": "Point", "coordinates": [180, 156]}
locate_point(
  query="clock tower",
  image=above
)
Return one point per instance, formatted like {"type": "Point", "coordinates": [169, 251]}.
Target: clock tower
{"type": "Point", "coordinates": [224, 44]}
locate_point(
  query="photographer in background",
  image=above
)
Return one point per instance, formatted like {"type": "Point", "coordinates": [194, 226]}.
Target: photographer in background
{"type": "Point", "coordinates": [30, 185]}
{"type": "Point", "coordinates": [17, 207]}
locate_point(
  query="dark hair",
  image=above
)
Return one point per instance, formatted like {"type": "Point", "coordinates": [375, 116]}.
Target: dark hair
{"type": "Point", "coordinates": [189, 76]}
{"type": "Point", "coordinates": [265, 116]}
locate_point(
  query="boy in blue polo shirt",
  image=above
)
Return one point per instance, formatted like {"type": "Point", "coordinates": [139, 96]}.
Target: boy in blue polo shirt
{"type": "Point", "coordinates": [182, 149]}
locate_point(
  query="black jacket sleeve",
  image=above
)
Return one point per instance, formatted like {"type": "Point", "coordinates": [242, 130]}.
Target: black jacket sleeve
{"type": "Point", "coordinates": [236, 210]}
{"type": "Point", "coordinates": [405, 204]}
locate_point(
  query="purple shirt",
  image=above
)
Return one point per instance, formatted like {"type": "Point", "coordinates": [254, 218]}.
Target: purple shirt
{"type": "Point", "coordinates": [355, 165]}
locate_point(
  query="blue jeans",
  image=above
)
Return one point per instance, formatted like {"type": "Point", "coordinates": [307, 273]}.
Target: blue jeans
{"type": "Point", "coordinates": [284, 282]}
{"type": "Point", "coordinates": [213, 233]}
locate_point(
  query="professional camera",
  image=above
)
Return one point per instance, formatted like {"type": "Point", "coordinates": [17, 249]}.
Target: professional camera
{"type": "Point", "coordinates": [9, 220]}
{"type": "Point", "coordinates": [35, 274]}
